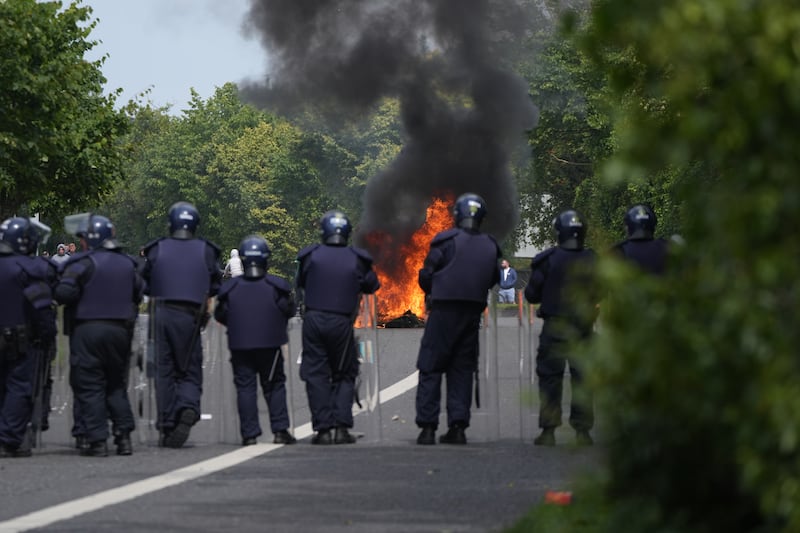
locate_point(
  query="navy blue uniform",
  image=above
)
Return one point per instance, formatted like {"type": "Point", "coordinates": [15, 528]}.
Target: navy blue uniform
{"type": "Point", "coordinates": [562, 283]}
{"type": "Point", "coordinates": [332, 278]}
{"type": "Point", "coordinates": [460, 268]}
{"type": "Point", "coordinates": [181, 275]}
{"type": "Point", "coordinates": [256, 312]}
{"type": "Point", "coordinates": [102, 289]}
{"type": "Point", "coordinates": [27, 324]}
{"type": "Point", "coordinates": [648, 254]}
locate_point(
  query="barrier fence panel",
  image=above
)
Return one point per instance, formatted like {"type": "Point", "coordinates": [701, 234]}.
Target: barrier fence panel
{"type": "Point", "coordinates": [485, 424]}
{"type": "Point", "coordinates": [368, 380]}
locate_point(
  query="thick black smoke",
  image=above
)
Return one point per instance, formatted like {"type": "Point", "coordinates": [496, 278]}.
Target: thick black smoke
{"type": "Point", "coordinates": [463, 113]}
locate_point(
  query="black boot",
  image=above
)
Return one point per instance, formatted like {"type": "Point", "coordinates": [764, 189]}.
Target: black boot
{"type": "Point", "coordinates": [322, 437]}
{"type": "Point", "coordinates": [546, 438]}
{"type": "Point", "coordinates": [124, 445]}
{"type": "Point", "coordinates": [454, 435]}
{"type": "Point", "coordinates": [283, 437]}
{"type": "Point", "coordinates": [427, 436]}
{"type": "Point", "coordinates": [180, 433]}
{"type": "Point", "coordinates": [343, 436]}
{"type": "Point", "coordinates": [95, 449]}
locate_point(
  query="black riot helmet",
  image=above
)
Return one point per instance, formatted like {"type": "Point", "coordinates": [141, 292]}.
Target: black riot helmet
{"type": "Point", "coordinates": [20, 235]}
{"type": "Point", "coordinates": [469, 211]}
{"type": "Point", "coordinates": [640, 222]}
{"type": "Point", "coordinates": [254, 253]}
{"type": "Point", "coordinates": [183, 220]}
{"type": "Point", "coordinates": [570, 230]}
{"type": "Point", "coordinates": [99, 232]}
{"type": "Point", "coordinates": [335, 228]}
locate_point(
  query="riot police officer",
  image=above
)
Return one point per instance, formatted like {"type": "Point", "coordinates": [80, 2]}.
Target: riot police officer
{"type": "Point", "coordinates": [562, 283]}
{"type": "Point", "coordinates": [182, 272]}
{"type": "Point", "coordinates": [103, 289]}
{"type": "Point", "coordinates": [460, 268]}
{"type": "Point", "coordinates": [641, 248]}
{"type": "Point", "coordinates": [27, 326]}
{"type": "Point", "coordinates": [256, 308]}
{"type": "Point", "coordinates": [332, 275]}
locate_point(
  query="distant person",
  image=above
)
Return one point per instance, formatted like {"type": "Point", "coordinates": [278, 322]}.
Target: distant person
{"type": "Point", "coordinates": [182, 273]}
{"type": "Point", "coordinates": [332, 277]}
{"type": "Point", "coordinates": [562, 283]}
{"type": "Point", "coordinates": [45, 254]}
{"type": "Point", "coordinates": [71, 249]}
{"type": "Point", "coordinates": [256, 308]}
{"type": "Point", "coordinates": [103, 289]}
{"type": "Point", "coordinates": [508, 282]}
{"type": "Point", "coordinates": [61, 254]}
{"type": "Point", "coordinates": [458, 272]}
{"type": "Point", "coordinates": [641, 248]}
{"type": "Point", "coordinates": [234, 266]}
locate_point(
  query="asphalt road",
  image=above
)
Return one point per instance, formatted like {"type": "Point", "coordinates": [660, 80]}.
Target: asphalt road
{"type": "Point", "coordinates": [385, 482]}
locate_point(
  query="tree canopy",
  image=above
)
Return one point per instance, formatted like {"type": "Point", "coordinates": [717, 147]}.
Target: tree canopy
{"type": "Point", "coordinates": [57, 129]}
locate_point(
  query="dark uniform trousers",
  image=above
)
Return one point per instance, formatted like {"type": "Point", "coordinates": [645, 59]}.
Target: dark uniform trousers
{"type": "Point", "coordinates": [551, 359]}
{"type": "Point", "coordinates": [179, 375]}
{"type": "Point", "coordinates": [266, 364]}
{"type": "Point", "coordinates": [449, 347]}
{"type": "Point", "coordinates": [16, 396]}
{"type": "Point", "coordinates": [329, 368]}
{"type": "Point", "coordinates": [100, 352]}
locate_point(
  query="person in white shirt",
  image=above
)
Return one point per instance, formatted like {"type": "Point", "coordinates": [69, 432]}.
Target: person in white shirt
{"type": "Point", "coordinates": [234, 267]}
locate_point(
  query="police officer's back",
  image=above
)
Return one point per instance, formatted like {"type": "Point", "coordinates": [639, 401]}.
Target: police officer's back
{"type": "Point", "coordinates": [256, 308]}
{"type": "Point", "coordinates": [332, 276]}
{"type": "Point", "coordinates": [27, 323]}
{"type": "Point", "coordinates": [641, 247]}
{"type": "Point", "coordinates": [562, 282]}
{"type": "Point", "coordinates": [459, 269]}
{"type": "Point", "coordinates": [102, 289]}
{"type": "Point", "coordinates": [182, 272]}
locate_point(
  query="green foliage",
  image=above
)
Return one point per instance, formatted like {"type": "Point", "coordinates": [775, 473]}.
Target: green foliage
{"type": "Point", "coordinates": [58, 132]}
{"type": "Point", "coordinates": [698, 373]}
{"type": "Point", "coordinates": [247, 172]}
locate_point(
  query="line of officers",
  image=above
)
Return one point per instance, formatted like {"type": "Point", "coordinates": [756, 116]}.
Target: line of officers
{"type": "Point", "coordinates": [102, 287]}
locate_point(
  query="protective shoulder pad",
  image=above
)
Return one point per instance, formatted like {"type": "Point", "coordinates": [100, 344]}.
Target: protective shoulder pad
{"type": "Point", "coordinates": [541, 257]}
{"type": "Point", "coordinates": [444, 235]}
{"type": "Point", "coordinates": [212, 245]}
{"type": "Point", "coordinates": [152, 243]}
{"type": "Point", "coordinates": [279, 283]}
{"type": "Point", "coordinates": [228, 286]}
{"type": "Point", "coordinates": [362, 253]}
{"type": "Point", "coordinates": [307, 250]}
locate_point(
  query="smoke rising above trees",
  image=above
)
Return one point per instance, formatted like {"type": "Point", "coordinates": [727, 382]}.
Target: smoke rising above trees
{"type": "Point", "coordinates": [462, 111]}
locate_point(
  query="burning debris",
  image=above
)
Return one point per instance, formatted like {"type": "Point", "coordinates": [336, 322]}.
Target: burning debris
{"type": "Point", "coordinates": [406, 320]}
{"type": "Point", "coordinates": [463, 114]}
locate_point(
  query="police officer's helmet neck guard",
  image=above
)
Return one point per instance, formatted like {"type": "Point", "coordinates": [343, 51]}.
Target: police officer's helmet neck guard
{"type": "Point", "coordinates": [183, 220]}
{"type": "Point", "coordinates": [640, 222]}
{"type": "Point", "coordinates": [469, 211]}
{"type": "Point", "coordinates": [570, 230]}
{"type": "Point", "coordinates": [99, 233]}
{"type": "Point", "coordinates": [254, 253]}
{"type": "Point", "coordinates": [18, 235]}
{"type": "Point", "coordinates": [335, 228]}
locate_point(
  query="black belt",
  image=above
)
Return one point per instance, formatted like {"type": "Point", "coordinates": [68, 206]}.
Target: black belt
{"type": "Point", "coordinates": [189, 307]}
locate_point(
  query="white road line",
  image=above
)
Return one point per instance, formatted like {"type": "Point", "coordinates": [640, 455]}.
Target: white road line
{"type": "Point", "coordinates": [71, 509]}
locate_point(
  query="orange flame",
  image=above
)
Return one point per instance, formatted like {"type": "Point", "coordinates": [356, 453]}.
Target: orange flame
{"type": "Point", "coordinates": [400, 291]}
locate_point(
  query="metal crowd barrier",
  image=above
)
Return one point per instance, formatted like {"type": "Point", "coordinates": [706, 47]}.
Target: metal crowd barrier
{"type": "Point", "coordinates": [508, 399]}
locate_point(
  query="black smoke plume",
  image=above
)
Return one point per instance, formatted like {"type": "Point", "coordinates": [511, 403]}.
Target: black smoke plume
{"type": "Point", "coordinates": [463, 113]}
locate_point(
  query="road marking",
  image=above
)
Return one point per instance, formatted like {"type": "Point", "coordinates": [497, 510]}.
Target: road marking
{"type": "Point", "coordinates": [94, 502]}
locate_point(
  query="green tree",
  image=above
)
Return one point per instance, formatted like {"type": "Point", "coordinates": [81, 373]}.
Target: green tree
{"type": "Point", "coordinates": [58, 132]}
{"type": "Point", "coordinates": [698, 372]}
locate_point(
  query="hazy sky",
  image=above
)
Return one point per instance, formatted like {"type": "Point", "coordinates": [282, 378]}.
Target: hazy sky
{"type": "Point", "coordinates": [172, 46]}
